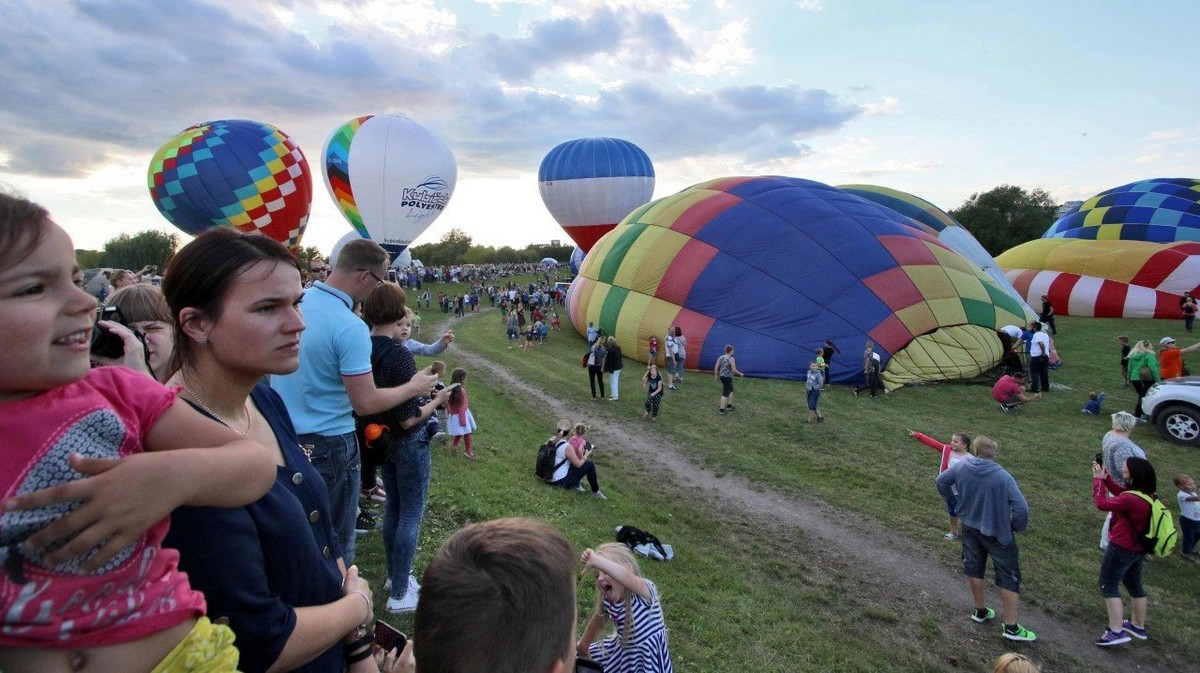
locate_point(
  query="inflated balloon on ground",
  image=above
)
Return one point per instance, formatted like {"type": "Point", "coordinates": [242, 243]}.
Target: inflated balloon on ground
{"type": "Point", "coordinates": [775, 266]}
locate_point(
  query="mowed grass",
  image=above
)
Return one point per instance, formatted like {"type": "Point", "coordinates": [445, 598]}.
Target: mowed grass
{"type": "Point", "coordinates": [741, 594]}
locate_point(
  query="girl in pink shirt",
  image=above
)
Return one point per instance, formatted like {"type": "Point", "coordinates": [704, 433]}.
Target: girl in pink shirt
{"type": "Point", "coordinates": [86, 484]}
{"type": "Point", "coordinates": [952, 453]}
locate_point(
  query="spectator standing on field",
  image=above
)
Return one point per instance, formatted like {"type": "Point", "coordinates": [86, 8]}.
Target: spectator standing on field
{"type": "Point", "coordinates": [334, 379]}
{"type": "Point", "coordinates": [1039, 359]}
{"type": "Point", "coordinates": [992, 510]}
{"type": "Point", "coordinates": [1047, 315]}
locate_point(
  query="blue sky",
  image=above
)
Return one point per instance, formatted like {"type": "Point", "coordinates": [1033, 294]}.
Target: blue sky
{"type": "Point", "coordinates": [940, 99]}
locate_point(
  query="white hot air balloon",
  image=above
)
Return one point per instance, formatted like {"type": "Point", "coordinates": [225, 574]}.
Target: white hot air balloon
{"type": "Point", "coordinates": [390, 176]}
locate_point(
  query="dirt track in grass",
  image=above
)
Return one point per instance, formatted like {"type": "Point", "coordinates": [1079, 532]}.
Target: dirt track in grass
{"type": "Point", "coordinates": [882, 567]}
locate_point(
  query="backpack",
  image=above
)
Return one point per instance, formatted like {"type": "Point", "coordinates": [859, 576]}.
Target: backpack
{"type": "Point", "coordinates": [545, 466]}
{"type": "Point", "coordinates": [1160, 537]}
{"type": "Point", "coordinates": [633, 537]}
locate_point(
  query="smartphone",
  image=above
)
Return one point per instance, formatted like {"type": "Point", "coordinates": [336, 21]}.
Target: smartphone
{"type": "Point", "coordinates": [1099, 459]}
{"type": "Point", "coordinates": [388, 637]}
{"type": "Point", "coordinates": [452, 386]}
{"type": "Point", "coordinates": [584, 665]}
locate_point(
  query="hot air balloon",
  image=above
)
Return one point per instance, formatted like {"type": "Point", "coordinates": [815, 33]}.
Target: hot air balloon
{"type": "Point", "coordinates": [590, 184]}
{"type": "Point", "coordinates": [233, 173]}
{"type": "Point", "coordinates": [939, 223]}
{"type": "Point", "coordinates": [775, 266]}
{"type": "Point", "coordinates": [401, 261]}
{"type": "Point", "coordinates": [576, 259]}
{"type": "Point", "coordinates": [390, 176]}
{"type": "Point", "coordinates": [1158, 210]}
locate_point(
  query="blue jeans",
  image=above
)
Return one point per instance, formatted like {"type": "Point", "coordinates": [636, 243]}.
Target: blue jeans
{"type": "Point", "coordinates": [813, 396]}
{"type": "Point", "coordinates": [338, 462]}
{"type": "Point", "coordinates": [575, 475]}
{"type": "Point", "coordinates": [1190, 530]}
{"type": "Point", "coordinates": [406, 480]}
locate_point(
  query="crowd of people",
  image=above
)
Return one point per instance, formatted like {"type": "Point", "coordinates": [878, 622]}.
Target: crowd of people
{"type": "Point", "coordinates": [262, 481]}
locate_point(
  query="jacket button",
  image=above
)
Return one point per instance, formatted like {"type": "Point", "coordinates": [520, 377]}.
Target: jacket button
{"type": "Point", "coordinates": [314, 516]}
{"type": "Point", "coordinates": [325, 551]}
{"type": "Point", "coordinates": [297, 479]}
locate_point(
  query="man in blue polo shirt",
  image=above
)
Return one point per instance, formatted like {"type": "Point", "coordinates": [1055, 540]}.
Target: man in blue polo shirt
{"type": "Point", "coordinates": [334, 379]}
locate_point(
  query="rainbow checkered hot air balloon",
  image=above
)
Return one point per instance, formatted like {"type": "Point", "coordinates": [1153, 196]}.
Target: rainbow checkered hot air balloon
{"type": "Point", "coordinates": [1130, 252]}
{"type": "Point", "coordinates": [591, 184]}
{"type": "Point", "coordinates": [1159, 210]}
{"type": "Point", "coordinates": [777, 265]}
{"type": "Point", "coordinates": [233, 173]}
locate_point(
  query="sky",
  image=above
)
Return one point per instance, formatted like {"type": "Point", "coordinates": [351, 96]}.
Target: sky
{"type": "Point", "coordinates": [941, 99]}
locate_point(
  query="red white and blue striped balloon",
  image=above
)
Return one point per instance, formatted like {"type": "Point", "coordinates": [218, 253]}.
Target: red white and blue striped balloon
{"type": "Point", "coordinates": [591, 184]}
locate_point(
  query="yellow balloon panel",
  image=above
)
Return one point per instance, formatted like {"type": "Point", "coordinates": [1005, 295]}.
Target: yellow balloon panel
{"type": "Point", "coordinates": [950, 353]}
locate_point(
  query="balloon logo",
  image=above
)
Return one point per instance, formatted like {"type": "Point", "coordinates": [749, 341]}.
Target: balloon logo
{"type": "Point", "coordinates": [233, 173]}
{"type": "Point", "coordinates": [591, 184]}
{"type": "Point", "coordinates": [390, 177]}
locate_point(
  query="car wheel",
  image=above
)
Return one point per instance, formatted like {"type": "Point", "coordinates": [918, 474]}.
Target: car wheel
{"type": "Point", "coordinates": [1180, 424]}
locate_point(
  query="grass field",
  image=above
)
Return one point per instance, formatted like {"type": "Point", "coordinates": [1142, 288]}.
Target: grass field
{"type": "Point", "coordinates": [743, 594]}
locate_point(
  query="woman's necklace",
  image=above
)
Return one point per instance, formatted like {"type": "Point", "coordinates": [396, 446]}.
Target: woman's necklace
{"type": "Point", "coordinates": [214, 414]}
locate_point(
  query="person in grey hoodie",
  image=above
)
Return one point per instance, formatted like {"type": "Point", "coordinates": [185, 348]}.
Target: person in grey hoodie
{"type": "Point", "coordinates": [991, 509]}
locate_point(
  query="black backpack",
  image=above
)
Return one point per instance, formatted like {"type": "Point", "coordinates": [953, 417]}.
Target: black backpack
{"type": "Point", "coordinates": [546, 467]}
{"type": "Point", "coordinates": [632, 537]}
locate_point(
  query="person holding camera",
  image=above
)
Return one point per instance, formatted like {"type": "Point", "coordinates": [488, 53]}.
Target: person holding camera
{"type": "Point", "coordinates": [135, 329]}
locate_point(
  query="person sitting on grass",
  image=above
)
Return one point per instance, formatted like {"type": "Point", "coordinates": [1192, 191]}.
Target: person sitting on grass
{"type": "Point", "coordinates": [574, 464]}
{"type": "Point", "coordinates": [1009, 391]}
{"type": "Point", "coordinates": [1095, 400]}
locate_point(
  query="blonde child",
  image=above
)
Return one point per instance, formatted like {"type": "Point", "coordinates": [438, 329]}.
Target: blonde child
{"type": "Point", "coordinates": [952, 453]}
{"type": "Point", "coordinates": [1189, 515]}
{"type": "Point", "coordinates": [438, 422]}
{"type": "Point", "coordinates": [1011, 662]}
{"type": "Point", "coordinates": [631, 603]}
{"type": "Point", "coordinates": [460, 421]}
{"type": "Point", "coordinates": [86, 483]}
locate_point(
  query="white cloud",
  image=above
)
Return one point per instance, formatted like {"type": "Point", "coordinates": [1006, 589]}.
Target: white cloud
{"type": "Point", "coordinates": [888, 106]}
{"type": "Point", "coordinates": [893, 166]}
{"type": "Point", "coordinates": [1166, 136]}
{"type": "Point", "coordinates": [811, 5]}
{"type": "Point", "coordinates": [722, 52]}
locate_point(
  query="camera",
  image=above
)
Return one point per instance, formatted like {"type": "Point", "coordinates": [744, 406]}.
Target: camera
{"type": "Point", "coordinates": [104, 343]}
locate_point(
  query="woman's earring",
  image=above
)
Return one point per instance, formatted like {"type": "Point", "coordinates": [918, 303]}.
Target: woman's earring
{"type": "Point", "coordinates": [202, 343]}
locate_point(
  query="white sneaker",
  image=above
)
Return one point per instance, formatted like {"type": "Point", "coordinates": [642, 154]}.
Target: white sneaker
{"type": "Point", "coordinates": [399, 605]}
{"type": "Point", "coordinates": [413, 585]}
{"type": "Point", "coordinates": [600, 495]}
{"type": "Point", "coordinates": [579, 487]}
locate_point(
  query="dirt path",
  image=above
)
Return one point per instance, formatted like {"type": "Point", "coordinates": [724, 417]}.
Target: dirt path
{"type": "Point", "coordinates": [879, 559]}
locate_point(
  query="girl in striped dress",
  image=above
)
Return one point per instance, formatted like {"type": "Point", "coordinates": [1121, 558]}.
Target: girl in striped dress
{"type": "Point", "coordinates": [630, 602]}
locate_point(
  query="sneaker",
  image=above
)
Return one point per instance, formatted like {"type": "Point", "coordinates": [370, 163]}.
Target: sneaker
{"type": "Point", "coordinates": [1138, 632]}
{"type": "Point", "coordinates": [856, 392]}
{"type": "Point", "coordinates": [399, 605]}
{"type": "Point", "coordinates": [579, 487]}
{"type": "Point", "coordinates": [413, 585]}
{"type": "Point", "coordinates": [1111, 638]}
{"type": "Point", "coordinates": [722, 412]}
{"type": "Point", "coordinates": [600, 495]}
{"type": "Point", "coordinates": [1004, 408]}
{"type": "Point", "coordinates": [950, 536]}
{"type": "Point", "coordinates": [986, 615]}
{"type": "Point", "coordinates": [1020, 633]}
{"type": "Point", "coordinates": [730, 407]}
{"type": "Point", "coordinates": [365, 523]}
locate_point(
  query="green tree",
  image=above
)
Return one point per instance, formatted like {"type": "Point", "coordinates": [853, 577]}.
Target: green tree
{"type": "Point", "coordinates": [145, 247]}
{"type": "Point", "coordinates": [91, 259]}
{"type": "Point", "coordinates": [306, 255]}
{"type": "Point", "coordinates": [1006, 216]}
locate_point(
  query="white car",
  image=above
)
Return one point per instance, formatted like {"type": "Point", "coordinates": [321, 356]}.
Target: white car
{"type": "Point", "coordinates": [1173, 406]}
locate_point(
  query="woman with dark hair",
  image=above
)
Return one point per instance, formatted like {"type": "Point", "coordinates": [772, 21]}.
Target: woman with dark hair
{"type": "Point", "coordinates": [1126, 554]}
{"type": "Point", "coordinates": [273, 567]}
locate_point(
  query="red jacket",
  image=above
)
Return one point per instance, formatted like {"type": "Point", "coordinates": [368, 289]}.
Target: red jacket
{"type": "Point", "coordinates": [1131, 514]}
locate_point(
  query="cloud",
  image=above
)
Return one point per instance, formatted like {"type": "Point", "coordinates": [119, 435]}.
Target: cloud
{"type": "Point", "coordinates": [1166, 136]}
{"type": "Point", "coordinates": [811, 5]}
{"type": "Point", "coordinates": [91, 79]}
{"type": "Point", "coordinates": [889, 106]}
{"type": "Point", "coordinates": [892, 167]}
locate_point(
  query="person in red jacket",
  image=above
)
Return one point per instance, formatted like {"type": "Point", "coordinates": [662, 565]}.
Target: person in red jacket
{"type": "Point", "coordinates": [1125, 555]}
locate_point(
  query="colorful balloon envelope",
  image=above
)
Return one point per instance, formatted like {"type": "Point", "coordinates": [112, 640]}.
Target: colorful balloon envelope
{"type": "Point", "coordinates": [1159, 210]}
{"type": "Point", "coordinates": [576, 259]}
{"type": "Point", "coordinates": [1105, 279]}
{"type": "Point", "coordinates": [775, 266]}
{"type": "Point", "coordinates": [938, 223]}
{"type": "Point", "coordinates": [390, 177]}
{"type": "Point", "coordinates": [590, 184]}
{"type": "Point", "coordinates": [233, 173]}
